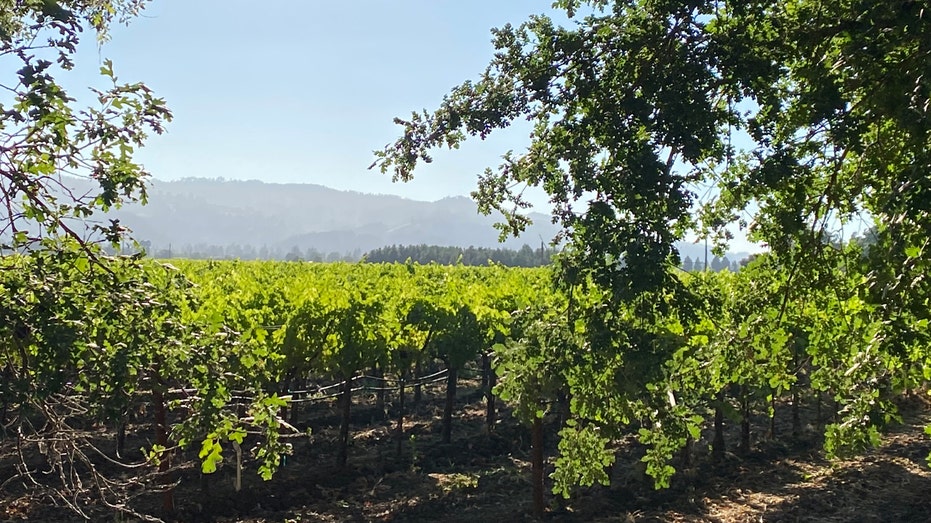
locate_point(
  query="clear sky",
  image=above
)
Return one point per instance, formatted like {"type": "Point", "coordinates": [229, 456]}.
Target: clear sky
{"type": "Point", "coordinates": [304, 91]}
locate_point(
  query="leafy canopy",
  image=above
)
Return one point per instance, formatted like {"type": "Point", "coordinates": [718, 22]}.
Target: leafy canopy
{"type": "Point", "coordinates": [655, 118]}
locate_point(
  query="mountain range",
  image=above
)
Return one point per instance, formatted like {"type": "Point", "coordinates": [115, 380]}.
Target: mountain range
{"type": "Point", "coordinates": [198, 212]}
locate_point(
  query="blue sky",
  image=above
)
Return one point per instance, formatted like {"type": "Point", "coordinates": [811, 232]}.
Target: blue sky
{"type": "Point", "coordinates": [304, 91]}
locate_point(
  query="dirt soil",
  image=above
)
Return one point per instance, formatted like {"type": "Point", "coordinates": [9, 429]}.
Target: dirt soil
{"type": "Point", "coordinates": [485, 477]}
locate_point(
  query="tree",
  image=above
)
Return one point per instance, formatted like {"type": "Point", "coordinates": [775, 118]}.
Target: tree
{"type": "Point", "coordinates": [687, 264]}
{"type": "Point", "coordinates": [531, 368]}
{"type": "Point", "coordinates": [635, 106]}
{"type": "Point", "coordinates": [454, 336]}
{"type": "Point", "coordinates": [45, 137]}
{"type": "Point", "coordinates": [717, 264]}
{"type": "Point", "coordinates": [725, 264]}
{"type": "Point", "coordinates": [87, 337]}
{"type": "Point", "coordinates": [56, 273]}
{"type": "Point", "coordinates": [294, 254]}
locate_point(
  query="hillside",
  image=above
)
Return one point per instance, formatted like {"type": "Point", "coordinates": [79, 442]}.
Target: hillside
{"type": "Point", "coordinates": [281, 217]}
{"type": "Point", "coordinates": [217, 218]}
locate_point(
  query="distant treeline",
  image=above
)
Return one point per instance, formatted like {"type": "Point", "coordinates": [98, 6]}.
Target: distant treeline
{"type": "Point", "coordinates": [716, 264]}
{"type": "Point", "coordinates": [242, 252]}
{"type": "Point", "coordinates": [526, 256]}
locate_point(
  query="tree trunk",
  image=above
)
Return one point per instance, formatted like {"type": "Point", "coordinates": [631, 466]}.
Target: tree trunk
{"type": "Point", "coordinates": [345, 405]}
{"type": "Point", "coordinates": [565, 406]}
{"type": "Point", "coordinates": [161, 439]}
{"type": "Point", "coordinates": [686, 454]}
{"type": "Point", "coordinates": [537, 458]}
{"type": "Point", "coordinates": [5, 394]}
{"type": "Point", "coordinates": [206, 503]}
{"type": "Point", "coordinates": [450, 403]}
{"type": "Point", "coordinates": [717, 444]}
{"type": "Point", "coordinates": [205, 484]}
{"type": "Point", "coordinates": [486, 366]}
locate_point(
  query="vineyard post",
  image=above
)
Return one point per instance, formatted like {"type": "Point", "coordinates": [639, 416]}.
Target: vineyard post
{"type": "Point", "coordinates": [717, 444]}
{"type": "Point", "coordinates": [381, 391]}
{"type": "Point", "coordinates": [400, 429]}
{"type": "Point", "coordinates": [120, 435]}
{"type": "Point", "coordinates": [819, 416]}
{"type": "Point", "coordinates": [796, 397]}
{"type": "Point", "coordinates": [417, 385]}
{"type": "Point", "coordinates": [294, 405]}
{"type": "Point", "coordinates": [293, 385]}
{"type": "Point", "coordinates": [772, 413]}
{"type": "Point", "coordinates": [161, 439]}
{"type": "Point", "coordinates": [451, 378]}
{"type": "Point", "coordinates": [744, 418]}
{"type": "Point", "coordinates": [345, 400]}
{"type": "Point", "coordinates": [237, 483]}
{"type": "Point", "coordinates": [489, 379]}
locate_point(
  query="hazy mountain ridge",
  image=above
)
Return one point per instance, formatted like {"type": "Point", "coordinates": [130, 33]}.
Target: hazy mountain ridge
{"type": "Point", "coordinates": [307, 216]}
{"type": "Point", "coordinates": [281, 217]}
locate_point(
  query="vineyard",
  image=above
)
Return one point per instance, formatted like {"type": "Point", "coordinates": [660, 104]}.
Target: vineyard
{"type": "Point", "coordinates": [280, 355]}
{"type": "Point", "coordinates": [611, 384]}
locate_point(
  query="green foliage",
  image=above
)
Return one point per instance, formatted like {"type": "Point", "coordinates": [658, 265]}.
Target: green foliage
{"type": "Point", "coordinates": [634, 109]}
{"type": "Point", "coordinates": [90, 339]}
{"type": "Point", "coordinates": [928, 432]}
{"type": "Point", "coordinates": [473, 256]}
{"type": "Point", "coordinates": [584, 459]}
{"type": "Point", "coordinates": [531, 365]}
{"type": "Point", "coordinates": [264, 414]}
{"type": "Point", "coordinates": [795, 117]}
